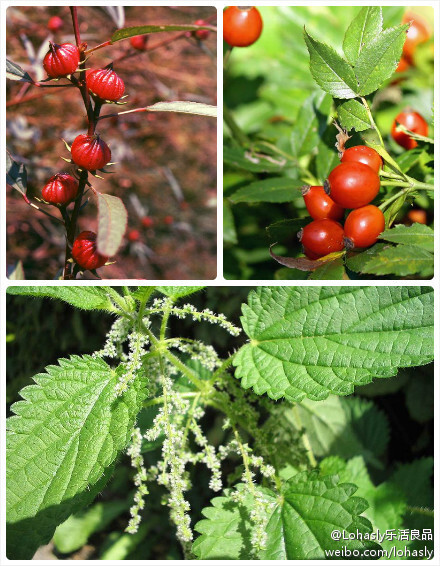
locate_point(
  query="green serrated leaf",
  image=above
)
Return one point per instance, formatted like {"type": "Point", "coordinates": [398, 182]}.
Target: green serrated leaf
{"type": "Point", "coordinates": [356, 261]}
{"type": "Point", "coordinates": [66, 432]}
{"type": "Point", "coordinates": [299, 524]}
{"type": "Point", "coordinates": [417, 234]}
{"type": "Point", "coordinates": [331, 270]}
{"type": "Point", "coordinates": [256, 163]}
{"type": "Point", "coordinates": [345, 427]}
{"type": "Point", "coordinates": [87, 298]}
{"type": "Point", "coordinates": [362, 30]}
{"type": "Point", "coordinates": [179, 291]}
{"type": "Point", "coordinates": [275, 189]}
{"type": "Point", "coordinates": [112, 223]}
{"type": "Point", "coordinates": [401, 260]}
{"type": "Point", "coordinates": [229, 231]}
{"type": "Point", "coordinates": [313, 341]}
{"type": "Point", "coordinates": [310, 123]}
{"type": "Point", "coordinates": [378, 60]}
{"type": "Point", "coordinates": [414, 479]}
{"type": "Point", "coordinates": [331, 72]}
{"type": "Point", "coordinates": [353, 115]}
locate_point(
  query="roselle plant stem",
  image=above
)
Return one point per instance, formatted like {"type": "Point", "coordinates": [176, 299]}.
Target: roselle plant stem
{"type": "Point", "coordinates": [71, 227]}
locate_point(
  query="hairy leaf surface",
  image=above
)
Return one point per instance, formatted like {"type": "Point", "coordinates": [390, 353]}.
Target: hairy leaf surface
{"type": "Point", "coordinates": [87, 298]}
{"type": "Point", "coordinates": [313, 341]}
{"type": "Point", "coordinates": [65, 434]}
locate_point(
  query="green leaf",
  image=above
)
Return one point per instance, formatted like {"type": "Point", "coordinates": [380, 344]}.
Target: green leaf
{"type": "Point", "coordinates": [378, 60]}
{"type": "Point", "coordinates": [401, 260]}
{"type": "Point", "coordinates": [16, 175]}
{"type": "Point", "coordinates": [126, 33]}
{"type": "Point", "coordinates": [275, 189]}
{"type": "Point", "coordinates": [327, 157]}
{"type": "Point", "coordinates": [415, 235]}
{"type": "Point", "coordinates": [345, 427]}
{"type": "Point", "coordinates": [184, 107]}
{"type": "Point", "coordinates": [414, 479]}
{"type": "Point", "coordinates": [112, 223]}
{"type": "Point", "coordinates": [310, 123]}
{"type": "Point", "coordinates": [76, 531]}
{"type": "Point", "coordinates": [67, 431]}
{"type": "Point", "coordinates": [180, 291]}
{"type": "Point", "coordinates": [353, 115]}
{"type": "Point", "coordinates": [289, 228]}
{"type": "Point", "coordinates": [123, 544]}
{"type": "Point", "coordinates": [313, 341]}
{"type": "Point", "coordinates": [15, 73]}
{"type": "Point", "coordinates": [256, 163]}
{"type": "Point", "coordinates": [356, 261]}
{"type": "Point", "coordinates": [331, 270]}
{"type": "Point", "coordinates": [229, 231]}
{"type": "Point", "coordinates": [363, 29]}
{"type": "Point", "coordinates": [87, 298]}
{"type": "Point", "coordinates": [143, 293]}
{"type": "Point", "coordinates": [332, 73]}
{"type": "Point", "coordinates": [299, 525]}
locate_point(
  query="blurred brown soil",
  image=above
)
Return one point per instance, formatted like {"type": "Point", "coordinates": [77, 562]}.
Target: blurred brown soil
{"type": "Point", "coordinates": [153, 151]}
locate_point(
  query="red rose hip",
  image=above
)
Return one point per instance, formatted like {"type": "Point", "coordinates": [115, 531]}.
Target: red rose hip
{"type": "Point", "coordinates": [241, 26]}
{"type": "Point", "coordinates": [90, 152]}
{"type": "Point", "coordinates": [363, 154]}
{"type": "Point", "coordinates": [61, 60]}
{"type": "Point", "coordinates": [412, 121]}
{"type": "Point", "coordinates": [363, 227]}
{"type": "Point", "coordinates": [320, 205]}
{"type": "Point", "coordinates": [105, 84]}
{"type": "Point", "coordinates": [321, 237]}
{"type": "Point", "coordinates": [61, 189]}
{"type": "Point", "coordinates": [352, 184]}
{"type": "Point", "coordinates": [85, 253]}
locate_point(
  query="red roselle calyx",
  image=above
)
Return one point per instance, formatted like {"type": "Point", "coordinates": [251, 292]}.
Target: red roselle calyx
{"type": "Point", "coordinates": [61, 60]}
{"type": "Point", "coordinates": [90, 152]}
{"type": "Point", "coordinates": [105, 84]}
{"type": "Point", "coordinates": [61, 189]}
{"type": "Point", "coordinates": [85, 253]}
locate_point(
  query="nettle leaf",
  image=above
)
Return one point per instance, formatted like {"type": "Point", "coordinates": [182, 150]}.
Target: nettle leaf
{"type": "Point", "coordinates": [275, 189]}
{"type": "Point", "coordinates": [353, 115]}
{"type": "Point", "coordinates": [64, 435]}
{"type": "Point", "coordinates": [15, 73]}
{"type": "Point", "coordinates": [112, 223]}
{"type": "Point", "coordinates": [417, 234]}
{"type": "Point", "coordinates": [363, 29]}
{"type": "Point", "coordinates": [310, 123]}
{"type": "Point", "coordinates": [401, 260]}
{"type": "Point", "coordinates": [16, 175]}
{"type": "Point", "coordinates": [313, 341]}
{"type": "Point", "coordinates": [378, 60]}
{"type": "Point", "coordinates": [179, 291]}
{"type": "Point", "coordinates": [332, 73]}
{"type": "Point", "coordinates": [415, 480]}
{"type": "Point", "coordinates": [299, 525]}
{"type": "Point", "coordinates": [87, 298]}
{"type": "Point", "coordinates": [184, 107]}
{"type": "Point", "coordinates": [345, 427]}
{"type": "Point", "coordinates": [255, 163]}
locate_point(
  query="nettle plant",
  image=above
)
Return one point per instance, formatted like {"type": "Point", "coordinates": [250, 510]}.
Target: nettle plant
{"type": "Point", "coordinates": [355, 196]}
{"type": "Point", "coordinates": [71, 65]}
{"type": "Point", "coordinates": [301, 455]}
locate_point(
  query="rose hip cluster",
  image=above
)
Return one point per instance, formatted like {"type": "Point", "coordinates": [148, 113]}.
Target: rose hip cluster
{"type": "Point", "coordinates": [89, 152]}
{"type": "Point", "coordinates": [352, 184]}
